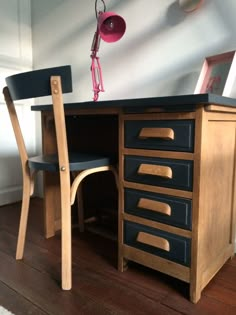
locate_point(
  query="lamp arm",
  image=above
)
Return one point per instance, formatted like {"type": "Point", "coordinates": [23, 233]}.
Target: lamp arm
{"type": "Point", "coordinates": [96, 70]}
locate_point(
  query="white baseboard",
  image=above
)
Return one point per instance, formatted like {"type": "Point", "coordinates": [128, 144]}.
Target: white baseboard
{"type": "Point", "coordinates": [10, 195]}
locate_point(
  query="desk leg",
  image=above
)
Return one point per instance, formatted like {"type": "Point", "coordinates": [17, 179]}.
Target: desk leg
{"type": "Point", "coordinates": [52, 208]}
{"type": "Point", "coordinates": [195, 293]}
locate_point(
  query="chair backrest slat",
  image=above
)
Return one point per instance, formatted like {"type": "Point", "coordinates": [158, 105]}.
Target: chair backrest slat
{"type": "Point", "coordinates": [37, 83]}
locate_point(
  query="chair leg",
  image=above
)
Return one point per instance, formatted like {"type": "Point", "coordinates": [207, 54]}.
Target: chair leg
{"type": "Point", "coordinates": [80, 206]}
{"type": "Point", "coordinates": [66, 237]}
{"type": "Point", "coordinates": [80, 209]}
{"type": "Point", "coordinates": [76, 189]}
{"type": "Point", "coordinates": [23, 218]}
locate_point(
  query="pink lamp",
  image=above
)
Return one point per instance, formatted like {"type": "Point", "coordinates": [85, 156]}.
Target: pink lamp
{"type": "Point", "coordinates": [110, 28]}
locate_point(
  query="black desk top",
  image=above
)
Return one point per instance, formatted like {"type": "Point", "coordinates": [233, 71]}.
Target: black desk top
{"type": "Point", "coordinates": [183, 102]}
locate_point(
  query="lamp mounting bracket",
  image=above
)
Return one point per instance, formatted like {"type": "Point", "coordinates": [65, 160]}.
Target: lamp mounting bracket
{"type": "Point", "coordinates": [96, 8]}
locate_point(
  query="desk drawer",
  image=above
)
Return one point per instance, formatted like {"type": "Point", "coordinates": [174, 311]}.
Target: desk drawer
{"type": "Point", "coordinates": [171, 173]}
{"type": "Point", "coordinates": [157, 242]}
{"type": "Point", "coordinates": [170, 135]}
{"type": "Point", "coordinates": [157, 207]}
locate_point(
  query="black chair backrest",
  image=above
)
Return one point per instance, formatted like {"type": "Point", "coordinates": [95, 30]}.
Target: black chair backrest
{"type": "Point", "coordinates": [37, 83]}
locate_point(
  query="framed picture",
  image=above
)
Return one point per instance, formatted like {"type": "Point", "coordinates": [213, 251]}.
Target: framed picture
{"type": "Point", "coordinates": [218, 74]}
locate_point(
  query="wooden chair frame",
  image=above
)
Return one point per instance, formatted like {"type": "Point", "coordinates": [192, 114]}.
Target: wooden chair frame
{"type": "Point", "coordinates": [68, 191]}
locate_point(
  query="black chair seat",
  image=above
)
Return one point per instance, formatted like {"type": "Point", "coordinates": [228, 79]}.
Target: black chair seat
{"type": "Point", "coordinates": [77, 162]}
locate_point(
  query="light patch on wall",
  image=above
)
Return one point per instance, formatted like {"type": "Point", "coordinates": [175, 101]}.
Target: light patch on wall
{"type": "Point", "coordinates": [9, 44]}
{"type": "Point", "coordinates": [25, 115]}
{"type": "Point", "coordinates": [162, 54]}
{"type": "Point", "coordinates": [161, 45]}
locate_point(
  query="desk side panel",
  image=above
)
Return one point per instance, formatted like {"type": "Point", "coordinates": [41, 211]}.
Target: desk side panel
{"type": "Point", "coordinates": [217, 189]}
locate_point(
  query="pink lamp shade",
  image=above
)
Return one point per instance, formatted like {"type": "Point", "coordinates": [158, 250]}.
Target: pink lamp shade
{"type": "Point", "coordinates": [111, 26]}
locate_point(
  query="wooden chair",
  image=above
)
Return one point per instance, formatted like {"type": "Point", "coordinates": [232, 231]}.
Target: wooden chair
{"type": "Point", "coordinates": [54, 82]}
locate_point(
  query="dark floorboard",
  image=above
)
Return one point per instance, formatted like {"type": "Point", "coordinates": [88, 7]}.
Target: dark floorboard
{"type": "Point", "coordinates": [32, 286]}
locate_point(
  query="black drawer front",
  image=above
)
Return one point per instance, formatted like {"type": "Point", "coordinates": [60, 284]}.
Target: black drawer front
{"type": "Point", "coordinates": [157, 207]}
{"type": "Point", "coordinates": [182, 135]}
{"type": "Point", "coordinates": [179, 246]}
{"type": "Point", "coordinates": [182, 172]}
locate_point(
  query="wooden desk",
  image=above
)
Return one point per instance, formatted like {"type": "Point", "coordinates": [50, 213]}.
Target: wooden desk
{"type": "Point", "coordinates": [177, 181]}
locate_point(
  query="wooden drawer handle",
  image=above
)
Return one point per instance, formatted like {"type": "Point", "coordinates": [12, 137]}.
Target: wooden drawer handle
{"type": "Point", "coordinates": [156, 170]}
{"type": "Point", "coordinates": [163, 133]}
{"type": "Point", "coordinates": [155, 241]}
{"type": "Point", "coordinates": [153, 205]}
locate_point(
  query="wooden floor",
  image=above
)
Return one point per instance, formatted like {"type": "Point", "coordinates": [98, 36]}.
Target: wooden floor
{"type": "Point", "coordinates": [32, 286]}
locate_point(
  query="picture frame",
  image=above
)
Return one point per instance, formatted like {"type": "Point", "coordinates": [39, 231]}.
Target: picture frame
{"type": "Point", "coordinates": [218, 74]}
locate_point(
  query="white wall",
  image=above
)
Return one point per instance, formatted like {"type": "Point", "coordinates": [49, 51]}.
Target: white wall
{"type": "Point", "coordinates": [15, 56]}
{"type": "Point", "coordinates": [160, 54]}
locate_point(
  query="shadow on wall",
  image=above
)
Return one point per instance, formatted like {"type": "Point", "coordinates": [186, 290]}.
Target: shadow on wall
{"type": "Point", "coordinates": [184, 84]}
{"type": "Point", "coordinates": [166, 86]}
{"type": "Point", "coordinates": [147, 36]}
{"type": "Point", "coordinates": [14, 167]}
{"type": "Point", "coordinates": [174, 14]}
{"type": "Point", "coordinates": [173, 17]}
{"type": "Point", "coordinates": [76, 34]}
{"type": "Point", "coordinates": [227, 9]}
{"type": "Point", "coordinates": [79, 34]}
{"type": "Point", "coordinates": [71, 35]}
{"type": "Point", "coordinates": [141, 52]}
{"type": "Point", "coordinates": [11, 176]}
{"type": "Point", "coordinates": [183, 48]}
